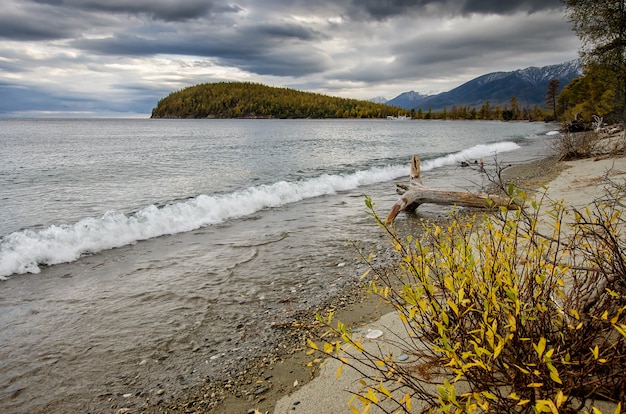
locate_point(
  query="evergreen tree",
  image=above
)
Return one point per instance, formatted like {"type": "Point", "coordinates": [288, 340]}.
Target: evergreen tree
{"type": "Point", "coordinates": [515, 108]}
{"type": "Point", "coordinates": [601, 26]}
{"type": "Point", "coordinates": [552, 96]}
{"type": "Point", "coordinates": [593, 94]}
{"type": "Point", "coordinates": [485, 111]}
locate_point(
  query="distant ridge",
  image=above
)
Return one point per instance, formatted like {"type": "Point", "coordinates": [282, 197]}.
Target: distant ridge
{"type": "Point", "coordinates": [379, 100]}
{"type": "Point", "coordinates": [528, 85]}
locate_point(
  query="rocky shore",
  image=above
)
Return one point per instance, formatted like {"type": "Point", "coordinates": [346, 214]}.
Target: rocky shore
{"type": "Point", "coordinates": [255, 385]}
{"type": "Point", "coordinates": [259, 383]}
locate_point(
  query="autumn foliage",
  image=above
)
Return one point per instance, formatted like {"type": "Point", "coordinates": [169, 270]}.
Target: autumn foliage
{"type": "Point", "coordinates": [516, 312]}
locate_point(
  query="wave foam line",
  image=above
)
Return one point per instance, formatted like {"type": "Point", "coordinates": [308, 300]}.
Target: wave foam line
{"type": "Point", "coordinates": [473, 153]}
{"type": "Point", "coordinates": [24, 251]}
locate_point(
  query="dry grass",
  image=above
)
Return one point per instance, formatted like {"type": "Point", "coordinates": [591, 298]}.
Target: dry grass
{"type": "Point", "coordinates": [588, 144]}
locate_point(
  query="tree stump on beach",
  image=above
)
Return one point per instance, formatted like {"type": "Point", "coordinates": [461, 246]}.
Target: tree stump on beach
{"type": "Point", "coordinates": [416, 193]}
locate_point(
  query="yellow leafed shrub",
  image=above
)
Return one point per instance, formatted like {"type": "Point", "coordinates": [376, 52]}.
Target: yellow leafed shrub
{"type": "Point", "coordinates": [512, 312]}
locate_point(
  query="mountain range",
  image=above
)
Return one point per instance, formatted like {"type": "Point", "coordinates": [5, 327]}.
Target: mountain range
{"type": "Point", "coordinates": [528, 85]}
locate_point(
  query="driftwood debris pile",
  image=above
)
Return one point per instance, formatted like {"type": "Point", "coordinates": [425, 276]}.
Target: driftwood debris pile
{"type": "Point", "coordinates": [416, 193]}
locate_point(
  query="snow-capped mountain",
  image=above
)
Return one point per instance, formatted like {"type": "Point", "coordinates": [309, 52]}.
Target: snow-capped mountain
{"type": "Point", "coordinates": [408, 100]}
{"type": "Point", "coordinates": [528, 85]}
{"type": "Point", "coordinates": [379, 99]}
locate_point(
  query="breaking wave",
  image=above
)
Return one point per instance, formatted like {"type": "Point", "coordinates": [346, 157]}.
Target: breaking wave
{"type": "Point", "coordinates": [25, 251]}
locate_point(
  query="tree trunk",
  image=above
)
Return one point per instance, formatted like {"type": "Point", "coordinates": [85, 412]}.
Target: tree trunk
{"type": "Point", "coordinates": [416, 193]}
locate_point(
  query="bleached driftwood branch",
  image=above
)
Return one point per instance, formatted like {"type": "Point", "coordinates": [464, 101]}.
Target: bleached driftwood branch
{"type": "Point", "coordinates": [416, 193]}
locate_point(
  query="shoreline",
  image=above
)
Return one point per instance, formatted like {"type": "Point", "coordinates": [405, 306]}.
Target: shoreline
{"type": "Point", "coordinates": [262, 382]}
{"type": "Point", "coordinates": [282, 378]}
{"type": "Point", "coordinates": [577, 183]}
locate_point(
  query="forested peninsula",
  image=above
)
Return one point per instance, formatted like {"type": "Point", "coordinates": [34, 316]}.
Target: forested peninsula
{"type": "Point", "coordinates": [253, 100]}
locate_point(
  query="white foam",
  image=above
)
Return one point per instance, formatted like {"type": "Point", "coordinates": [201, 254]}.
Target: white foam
{"type": "Point", "coordinates": [472, 153]}
{"type": "Point", "coordinates": [550, 133]}
{"type": "Point", "coordinates": [24, 251]}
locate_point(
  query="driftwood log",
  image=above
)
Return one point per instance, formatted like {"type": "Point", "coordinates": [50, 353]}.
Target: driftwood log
{"type": "Point", "coordinates": [416, 193]}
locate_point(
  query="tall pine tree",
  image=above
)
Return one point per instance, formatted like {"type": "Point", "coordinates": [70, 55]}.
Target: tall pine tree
{"type": "Point", "coordinates": [601, 26]}
{"type": "Point", "coordinates": [552, 96]}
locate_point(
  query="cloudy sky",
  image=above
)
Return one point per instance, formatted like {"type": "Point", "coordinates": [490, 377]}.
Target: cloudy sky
{"type": "Point", "coordinates": [119, 57]}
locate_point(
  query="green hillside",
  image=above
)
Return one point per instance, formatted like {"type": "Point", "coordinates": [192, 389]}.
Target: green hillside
{"type": "Point", "coordinates": [253, 100]}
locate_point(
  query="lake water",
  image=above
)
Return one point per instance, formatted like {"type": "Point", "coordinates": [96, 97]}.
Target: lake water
{"type": "Point", "coordinates": [138, 255]}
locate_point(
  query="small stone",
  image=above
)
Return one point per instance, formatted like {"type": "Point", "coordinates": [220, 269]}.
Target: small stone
{"type": "Point", "coordinates": [374, 333]}
{"type": "Point", "coordinates": [124, 411]}
{"type": "Point", "coordinates": [261, 390]}
{"type": "Point", "coordinates": [160, 391]}
{"type": "Point", "coordinates": [127, 395]}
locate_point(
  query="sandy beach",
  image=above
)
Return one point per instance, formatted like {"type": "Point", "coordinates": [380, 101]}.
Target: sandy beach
{"type": "Point", "coordinates": [578, 183]}
{"type": "Point", "coordinates": [285, 381]}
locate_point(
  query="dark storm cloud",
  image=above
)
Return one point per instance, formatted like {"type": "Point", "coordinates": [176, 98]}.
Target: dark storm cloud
{"type": "Point", "coordinates": [285, 31]}
{"type": "Point", "coordinates": [166, 10]}
{"type": "Point", "coordinates": [521, 35]}
{"type": "Point", "coordinates": [36, 22]}
{"type": "Point", "coordinates": [535, 44]}
{"type": "Point", "coordinates": [265, 48]}
{"type": "Point", "coordinates": [509, 6]}
{"type": "Point", "coordinates": [17, 29]}
{"type": "Point", "coordinates": [253, 50]}
{"type": "Point", "coordinates": [67, 19]}
{"type": "Point", "coordinates": [383, 9]}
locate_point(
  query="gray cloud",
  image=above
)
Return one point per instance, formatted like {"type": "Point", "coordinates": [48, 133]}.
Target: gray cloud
{"type": "Point", "coordinates": [383, 9]}
{"type": "Point", "coordinates": [521, 35]}
{"type": "Point", "coordinates": [166, 10]}
{"type": "Point", "coordinates": [265, 49]}
{"type": "Point", "coordinates": [512, 6]}
{"type": "Point", "coordinates": [11, 28]}
{"type": "Point", "coordinates": [285, 31]}
{"type": "Point", "coordinates": [29, 21]}
{"type": "Point", "coordinates": [121, 54]}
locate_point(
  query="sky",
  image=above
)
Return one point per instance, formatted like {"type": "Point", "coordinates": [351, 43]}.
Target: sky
{"type": "Point", "coordinates": [118, 58]}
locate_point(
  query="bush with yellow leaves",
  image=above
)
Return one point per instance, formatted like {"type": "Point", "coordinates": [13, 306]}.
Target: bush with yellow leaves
{"type": "Point", "coordinates": [512, 312]}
